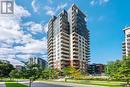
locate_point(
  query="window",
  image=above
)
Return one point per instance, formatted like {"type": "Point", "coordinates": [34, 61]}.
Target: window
{"type": "Point", "coordinates": [77, 11]}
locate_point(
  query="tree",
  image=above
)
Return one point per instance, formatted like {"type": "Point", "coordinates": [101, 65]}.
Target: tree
{"type": "Point", "coordinates": [15, 74]}
{"type": "Point", "coordinates": [112, 69]}
{"type": "Point", "coordinates": [33, 71]}
{"type": "Point", "coordinates": [45, 73]}
{"type": "Point", "coordinates": [120, 69]}
{"type": "Point", "coordinates": [124, 70]}
{"type": "Point", "coordinates": [71, 72]}
{"type": "Point", "coordinates": [49, 73]}
{"type": "Point", "coordinates": [5, 69]}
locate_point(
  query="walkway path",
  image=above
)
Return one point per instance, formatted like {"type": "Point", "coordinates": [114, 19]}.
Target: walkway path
{"type": "Point", "coordinates": [56, 84]}
{"type": "Point", "coordinates": [62, 84]}
{"type": "Point", "coordinates": [2, 84]}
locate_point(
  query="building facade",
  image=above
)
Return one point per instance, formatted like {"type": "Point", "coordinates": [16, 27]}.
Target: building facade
{"type": "Point", "coordinates": [41, 62]}
{"type": "Point", "coordinates": [19, 67]}
{"type": "Point", "coordinates": [68, 40]}
{"type": "Point", "coordinates": [126, 42]}
{"type": "Point", "coordinates": [96, 69]}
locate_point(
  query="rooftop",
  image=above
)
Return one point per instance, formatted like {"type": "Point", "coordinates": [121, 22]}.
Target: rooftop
{"type": "Point", "coordinates": [126, 28]}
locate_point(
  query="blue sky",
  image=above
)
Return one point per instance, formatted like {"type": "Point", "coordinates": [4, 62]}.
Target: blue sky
{"type": "Point", "coordinates": [24, 33]}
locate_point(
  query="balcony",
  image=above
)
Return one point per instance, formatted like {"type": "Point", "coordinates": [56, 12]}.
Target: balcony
{"type": "Point", "coordinates": [76, 63]}
{"type": "Point", "coordinates": [65, 55]}
{"type": "Point", "coordinates": [75, 34]}
{"type": "Point", "coordinates": [123, 49]}
{"type": "Point", "coordinates": [64, 45]}
{"type": "Point", "coordinates": [76, 54]}
{"type": "Point", "coordinates": [75, 48]}
{"type": "Point", "coordinates": [75, 41]}
{"type": "Point", "coordinates": [64, 34]}
{"type": "Point", "coordinates": [65, 42]}
{"type": "Point", "coordinates": [87, 56]}
{"type": "Point", "coordinates": [87, 53]}
{"type": "Point", "coordinates": [64, 48]}
{"type": "Point", "coordinates": [64, 38]}
{"type": "Point", "coordinates": [50, 48]}
{"type": "Point", "coordinates": [128, 35]}
{"type": "Point", "coordinates": [50, 59]}
{"type": "Point", "coordinates": [75, 44]}
{"type": "Point", "coordinates": [123, 52]}
{"type": "Point", "coordinates": [65, 62]}
{"type": "Point", "coordinates": [65, 58]}
{"type": "Point", "coordinates": [50, 44]}
{"type": "Point", "coordinates": [50, 62]}
{"type": "Point", "coordinates": [50, 54]}
{"type": "Point", "coordinates": [65, 52]}
{"type": "Point", "coordinates": [77, 67]}
{"type": "Point", "coordinates": [123, 46]}
{"type": "Point", "coordinates": [50, 51]}
{"type": "Point", "coordinates": [75, 58]}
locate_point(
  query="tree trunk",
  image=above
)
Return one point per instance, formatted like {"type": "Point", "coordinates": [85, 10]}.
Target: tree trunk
{"type": "Point", "coordinates": [128, 85]}
{"type": "Point", "coordinates": [30, 82]}
{"type": "Point", "coordinates": [17, 81]}
{"type": "Point", "coordinates": [65, 79]}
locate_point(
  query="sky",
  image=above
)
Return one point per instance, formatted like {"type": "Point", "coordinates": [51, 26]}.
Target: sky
{"type": "Point", "coordinates": [24, 33]}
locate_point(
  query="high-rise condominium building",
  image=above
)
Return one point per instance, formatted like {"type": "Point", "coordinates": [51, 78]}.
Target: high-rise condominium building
{"type": "Point", "coordinates": [41, 62]}
{"type": "Point", "coordinates": [126, 43]}
{"type": "Point", "coordinates": [68, 40]}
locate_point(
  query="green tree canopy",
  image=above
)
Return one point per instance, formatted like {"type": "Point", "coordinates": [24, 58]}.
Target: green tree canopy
{"type": "Point", "coordinates": [5, 69]}
{"type": "Point", "coordinates": [119, 69]}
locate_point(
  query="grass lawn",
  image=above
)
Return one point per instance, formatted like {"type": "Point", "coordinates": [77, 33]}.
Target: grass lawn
{"type": "Point", "coordinates": [14, 84]}
{"type": "Point", "coordinates": [99, 83]}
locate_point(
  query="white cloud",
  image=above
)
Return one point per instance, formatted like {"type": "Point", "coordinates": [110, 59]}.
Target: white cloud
{"type": "Point", "coordinates": [52, 11]}
{"type": "Point", "coordinates": [45, 28]}
{"type": "Point", "coordinates": [102, 2]}
{"type": "Point", "coordinates": [10, 26]}
{"type": "Point", "coordinates": [33, 47]}
{"type": "Point", "coordinates": [12, 32]}
{"type": "Point", "coordinates": [98, 2]}
{"type": "Point", "coordinates": [15, 62]}
{"type": "Point", "coordinates": [12, 60]}
{"type": "Point", "coordinates": [62, 6]}
{"type": "Point", "coordinates": [93, 2]}
{"type": "Point", "coordinates": [34, 27]}
{"type": "Point", "coordinates": [49, 10]}
{"type": "Point", "coordinates": [34, 6]}
{"type": "Point", "coordinates": [20, 12]}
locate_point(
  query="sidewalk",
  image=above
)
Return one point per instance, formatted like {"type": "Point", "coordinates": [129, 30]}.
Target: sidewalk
{"type": "Point", "coordinates": [2, 84]}
{"type": "Point", "coordinates": [68, 84]}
